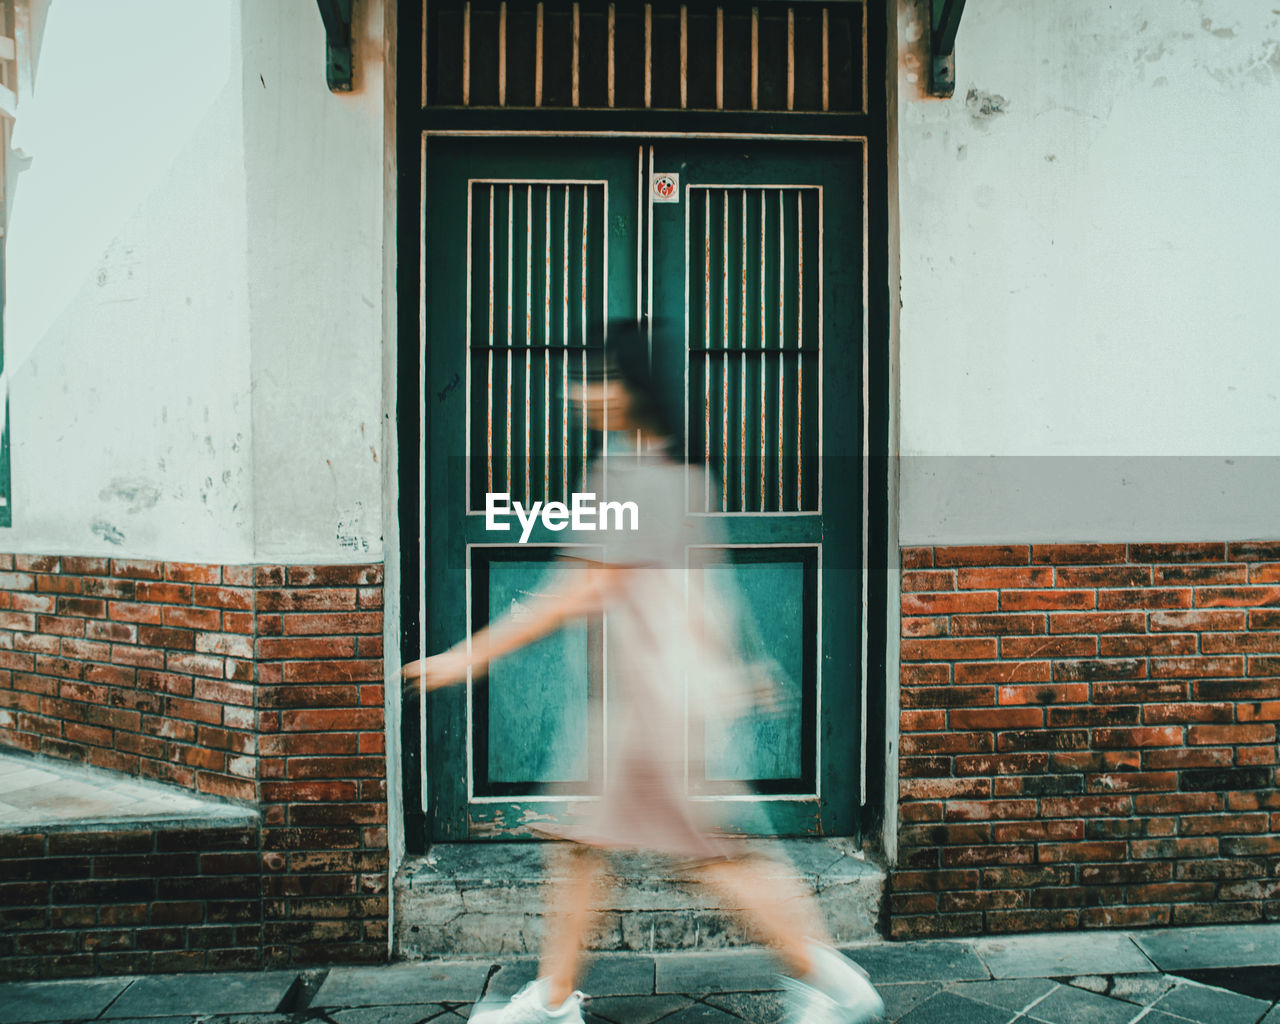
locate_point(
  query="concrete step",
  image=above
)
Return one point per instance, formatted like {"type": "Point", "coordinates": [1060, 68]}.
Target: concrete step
{"type": "Point", "coordinates": [490, 898]}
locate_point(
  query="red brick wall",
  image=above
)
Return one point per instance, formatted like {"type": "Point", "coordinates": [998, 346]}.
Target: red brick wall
{"type": "Point", "coordinates": [1088, 737]}
{"type": "Point", "coordinates": [262, 684]}
{"type": "Point", "coordinates": [129, 902]}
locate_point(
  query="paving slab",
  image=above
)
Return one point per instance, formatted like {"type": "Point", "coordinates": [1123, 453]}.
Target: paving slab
{"type": "Point", "coordinates": [167, 995]}
{"type": "Point", "coordinates": [1140, 989]}
{"type": "Point", "coordinates": [636, 1009]}
{"type": "Point", "coordinates": [1201, 1002]}
{"type": "Point", "coordinates": [1239, 945]}
{"type": "Point", "coordinates": [1273, 1017]}
{"type": "Point", "coordinates": [701, 1013]}
{"type": "Point", "coordinates": [699, 973]}
{"type": "Point", "coordinates": [388, 1014]}
{"type": "Point", "coordinates": [58, 1000]}
{"type": "Point", "coordinates": [919, 961]}
{"type": "Point", "coordinates": [949, 1008]}
{"type": "Point", "coordinates": [436, 981]}
{"type": "Point", "coordinates": [901, 998]}
{"type": "Point", "coordinates": [1061, 954]}
{"type": "Point", "coordinates": [604, 976]}
{"type": "Point", "coordinates": [756, 1007]}
{"type": "Point", "coordinates": [1015, 994]}
{"type": "Point", "coordinates": [1068, 1005]}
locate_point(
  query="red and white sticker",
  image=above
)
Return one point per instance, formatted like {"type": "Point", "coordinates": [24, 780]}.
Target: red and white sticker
{"type": "Point", "coordinates": [664, 187]}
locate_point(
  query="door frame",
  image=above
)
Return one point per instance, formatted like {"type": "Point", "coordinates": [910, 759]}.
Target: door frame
{"type": "Point", "coordinates": [413, 131]}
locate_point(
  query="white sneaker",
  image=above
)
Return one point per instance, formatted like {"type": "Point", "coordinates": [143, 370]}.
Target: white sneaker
{"type": "Point", "coordinates": [836, 991]}
{"type": "Point", "coordinates": [529, 1006]}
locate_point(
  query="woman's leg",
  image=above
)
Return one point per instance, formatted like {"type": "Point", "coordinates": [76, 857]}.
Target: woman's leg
{"type": "Point", "coordinates": [571, 917]}
{"type": "Point", "coordinates": [785, 915]}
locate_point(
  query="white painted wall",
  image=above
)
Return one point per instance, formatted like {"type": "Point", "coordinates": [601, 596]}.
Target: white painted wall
{"type": "Point", "coordinates": [1087, 260]}
{"type": "Point", "coordinates": [194, 326]}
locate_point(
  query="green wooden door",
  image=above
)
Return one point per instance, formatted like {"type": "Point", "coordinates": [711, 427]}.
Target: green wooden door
{"type": "Point", "coordinates": [754, 252]}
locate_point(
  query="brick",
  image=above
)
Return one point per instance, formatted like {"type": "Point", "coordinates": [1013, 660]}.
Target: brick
{"type": "Point", "coordinates": [167, 638]}
{"type": "Point", "coordinates": [129, 611]}
{"type": "Point", "coordinates": [998, 625]}
{"type": "Point", "coordinates": [17, 581]}
{"type": "Point", "coordinates": [1056, 830]}
{"type": "Point", "coordinates": [916, 558]}
{"type": "Point", "coordinates": [1161, 645]}
{"type": "Point", "coordinates": [1142, 736]}
{"type": "Point", "coordinates": [191, 618]}
{"type": "Point", "coordinates": [945, 743]}
{"type": "Point", "coordinates": [348, 623]}
{"type": "Point", "coordinates": [1268, 573]}
{"type": "Point", "coordinates": [37, 563]}
{"type": "Point", "coordinates": [137, 570]}
{"type": "Point", "coordinates": [1259, 711]}
{"type": "Point", "coordinates": [138, 657]}
{"type": "Point", "coordinates": [1201, 574]}
{"type": "Point", "coordinates": [1087, 715]}
{"type": "Point", "coordinates": [296, 743]}
{"type": "Point", "coordinates": [1144, 597]}
{"type": "Point", "coordinates": [944, 603]}
{"type": "Point", "coordinates": [224, 644]}
{"type": "Point", "coordinates": [18, 602]}
{"type": "Point", "coordinates": [119, 632]}
{"type": "Point", "coordinates": [948, 649]}
{"type": "Point", "coordinates": [1094, 669]}
{"type": "Point", "coordinates": [1186, 712]}
{"type": "Point", "coordinates": [58, 584]}
{"type": "Point", "coordinates": [1240, 643]}
{"type": "Point", "coordinates": [1042, 739]}
{"type": "Point", "coordinates": [1011, 577]}
{"type": "Point", "coordinates": [1125, 693]}
{"type": "Point", "coordinates": [1181, 758]}
{"type": "Point", "coordinates": [1237, 597]}
{"type": "Point", "coordinates": [334, 575]}
{"type": "Point", "coordinates": [85, 566]}
{"type": "Point", "coordinates": [1231, 735]}
{"type": "Point", "coordinates": [224, 692]}
{"type": "Point", "coordinates": [1097, 622]}
{"type": "Point", "coordinates": [1167, 849]}
{"type": "Point", "coordinates": [1223, 824]}
{"type": "Point", "coordinates": [927, 580]}
{"type": "Point", "coordinates": [912, 625]}
{"type": "Point", "coordinates": [1199, 619]}
{"type": "Point", "coordinates": [331, 671]}
{"type": "Point", "coordinates": [194, 664]}
{"type": "Point", "coordinates": [164, 593]}
{"type": "Point", "coordinates": [1196, 668]}
{"type": "Point", "coordinates": [1029, 647]}
{"type": "Point", "coordinates": [118, 589]}
{"type": "Point", "coordinates": [55, 624]}
{"type": "Point", "coordinates": [307, 720]}
{"type": "Point", "coordinates": [238, 622]}
{"type": "Point", "coordinates": [996, 719]}
{"type": "Point", "coordinates": [984, 555]}
{"type": "Point", "coordinates": [1101, 805]}
{"type": "Point", "coordinates": [236, 599]}
{"type": "Point", "coordinates": [1047, 600]}
{"type": "Point", "coordinates": [1078, 554]}
{"type": "Point", "coordinates": [1264, 666]}
{"type": "Point", "coordinates": [924, 675]}
{"type": "Point", "coordinates": [1208, 551]}
{"type": "Point", "coordinates": [949, 697]}
{"type": "Point", "coordinates": [978, 673]}
{"type": "Point", "coordinates": [1094, 576]}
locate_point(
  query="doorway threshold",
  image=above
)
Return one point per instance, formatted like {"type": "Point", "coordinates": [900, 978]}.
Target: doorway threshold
{"type": "Point", "coordinates": [491, 898]}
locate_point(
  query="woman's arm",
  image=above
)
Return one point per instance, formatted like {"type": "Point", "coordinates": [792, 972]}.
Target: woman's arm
{"type": "Point", "coordinates": [577, 594]}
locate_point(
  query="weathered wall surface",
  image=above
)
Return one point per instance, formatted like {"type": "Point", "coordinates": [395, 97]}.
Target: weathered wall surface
{"type": "Point", "coordinates": [195, 319]}
{"type": "Point", "coordinates": [1086, 272]}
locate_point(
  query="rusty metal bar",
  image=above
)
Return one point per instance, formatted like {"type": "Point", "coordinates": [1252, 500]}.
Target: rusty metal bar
{"type": "Point", "coordinates": [782, 305]}
{"type": "Point", "coordinates": [742, 367]}
{"type": "Point", "coordinates": [585, 198]}
{"type": "Point", "coordinates": [706, 335]}
{"type": "Point", "coordinates": [791, 58]}
{"type": "Point", "coordinates": [537, 56]}
{"type": "Point", "coordinates": [648, 55]}
{"type": "Point", "coordinates": [577, 60]}
{"type": "Point", "coordinates": [502, 53]}
{"type": "Point", "coordinates": [755, 58]}
{"type": "Point", "coordinates": [510, 272]}
{"type": "Point", "coordinates": [764, 365]}
{"type": "Point", "coordinates": [826, 59]}
{"type": "Point", "coordinates": [799, 349]}
{"type": "Point", "coordinates": [612, 22]}
{"type": "Point", "coordinates": [724, 341]}
{"type": "Point", "coordinates": [528, 326]}
{"type": "Point", "coordinates": [719, 58]}
{"type": "Point", "coordinates": [489, 395]}
{"type": "Point", "coordinates": [466, 60]}
{"type": "Point", "coordinates": [684, 56]}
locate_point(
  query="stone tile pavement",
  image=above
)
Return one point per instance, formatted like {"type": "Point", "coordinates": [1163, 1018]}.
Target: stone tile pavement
{"type": "Point", "coordinates": [42, 794]}
{"type": "Point", "coordinates": [1224, 975]}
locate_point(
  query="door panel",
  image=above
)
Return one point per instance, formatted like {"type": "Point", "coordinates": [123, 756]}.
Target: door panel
{"type": "Point", "coordinates": [558, 237]}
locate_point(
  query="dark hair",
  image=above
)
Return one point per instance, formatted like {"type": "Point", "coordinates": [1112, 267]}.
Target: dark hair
{"type": "Point", "coordinates": [646, 364]}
